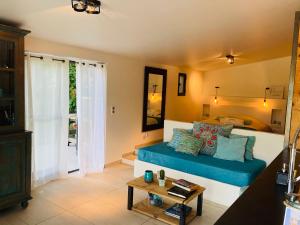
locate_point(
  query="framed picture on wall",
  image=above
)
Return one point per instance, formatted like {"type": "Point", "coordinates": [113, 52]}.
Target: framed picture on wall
{"type": "Point", "coordinates": [276, 92]}
{"type": "Point", "coordinates": [181, 84]}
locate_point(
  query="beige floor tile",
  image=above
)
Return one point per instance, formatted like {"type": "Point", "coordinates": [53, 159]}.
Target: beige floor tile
{"type": "Point", "coordinates": [38, 211]}
{"type": "Point", "coordinates": [119, 197]}
{"type": "Point", "coordinates": [94, 211]}
{"type": "Point", "coordinates": [97, 199]}
{"type": "Point", "coordinates": [154, 222]}
{"type": "Point", "coordinates": [9, 218]}
{"type": "Point", "coordinates": [66, 219]}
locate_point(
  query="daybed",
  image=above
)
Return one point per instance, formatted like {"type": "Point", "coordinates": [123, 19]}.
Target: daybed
{"type": "Point", "coordinates": [224, 180]}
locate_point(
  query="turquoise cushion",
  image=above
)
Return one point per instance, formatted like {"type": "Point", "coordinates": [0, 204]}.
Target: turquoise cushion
{"type": "Point", "coordinates": [177, 134]}
{"type": "Point", "coordinates": [230, 172]}
{"type": "Point", "coordinates": [249, 145]}
{"type": "Point", "coordinates": [189, 144]}
{"type": "Point", "coordinates": [231, 148]}
{"type": "Point", "coordinates": [209, 134]}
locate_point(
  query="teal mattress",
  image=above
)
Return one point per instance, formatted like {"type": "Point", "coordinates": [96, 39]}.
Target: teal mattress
{"type": "Point", "coordinates": [230, 172]}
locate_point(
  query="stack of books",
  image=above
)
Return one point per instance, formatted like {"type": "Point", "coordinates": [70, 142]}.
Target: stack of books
{"type": "Point", "coordinates": [182, 188]}
{"type": "Point", "coordinates": [175, 210]}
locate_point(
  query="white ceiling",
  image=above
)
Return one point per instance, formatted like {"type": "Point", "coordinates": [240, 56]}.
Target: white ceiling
{"type": "Point", "coordinates": [177, 32]}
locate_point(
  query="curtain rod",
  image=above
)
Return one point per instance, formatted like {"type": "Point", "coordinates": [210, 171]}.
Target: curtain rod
{"type": "Point", "coordinates": [41, 58]}
{"type": "Point", "coordinates": [63, 61]}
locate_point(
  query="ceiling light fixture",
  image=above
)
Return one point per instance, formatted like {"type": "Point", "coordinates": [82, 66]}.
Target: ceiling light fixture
{"type": "Point", "coordinates": [230, 59]}
{"type": "Point", "coordinates": [88, 6]}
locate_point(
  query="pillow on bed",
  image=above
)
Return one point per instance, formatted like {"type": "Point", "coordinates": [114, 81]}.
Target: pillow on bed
{"type": "Point", "coordinates": [189, 144]}
{"type": "Point", "coordinates": [231, 148]}
{"type": "Point", "coordinates": [209, 132]}
{"type": "Point", "coordinates": [177, 134]}
{"type": "Point", "coordinates": [249, 145]}
{"type": "Point", "coordinates": [231, 120]}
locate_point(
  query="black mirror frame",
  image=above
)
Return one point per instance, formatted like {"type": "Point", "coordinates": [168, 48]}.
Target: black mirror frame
{"type": "Point", "coordinates": [163, 72]}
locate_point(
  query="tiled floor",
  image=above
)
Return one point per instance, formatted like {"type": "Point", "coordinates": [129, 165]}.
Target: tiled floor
{"type": "Point", "coordinates": [94, 200]}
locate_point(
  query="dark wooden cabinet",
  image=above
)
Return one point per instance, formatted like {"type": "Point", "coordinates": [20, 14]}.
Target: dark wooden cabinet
{"type": "Point", "coordinates": [15, 142]}
{"type": "Point", "coordinates": [11, 79]}
{"type": "Point", "coordinates": [15, 169]}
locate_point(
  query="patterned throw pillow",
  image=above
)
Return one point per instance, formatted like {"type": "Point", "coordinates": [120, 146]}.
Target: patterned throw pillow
{"type": "Point", "coordinates": [249, 145]}
{"type": "Point", "coordinates": [209, 132]}
{"type": "Point", "coordinates": [189, 144]}
{"type": "Point", "coordinates": [177, 133]}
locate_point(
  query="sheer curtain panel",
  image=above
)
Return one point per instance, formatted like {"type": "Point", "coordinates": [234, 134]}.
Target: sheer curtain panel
{"type": "Point", "coordinates": [91, 111]}
{"type": "Point", "coordinates": [47, 109]}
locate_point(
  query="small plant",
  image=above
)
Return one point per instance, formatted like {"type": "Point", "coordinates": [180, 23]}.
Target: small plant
{"type": "Point", "coordinates": [162, 174]}
{"type": "Point", "coordinates": [161, 178]}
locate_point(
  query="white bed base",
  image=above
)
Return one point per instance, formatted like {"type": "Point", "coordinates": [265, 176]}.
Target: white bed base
{"type": "Point", "coordinates": [267, 148]}
{"type": "Point", "coordinates": [221, 193]}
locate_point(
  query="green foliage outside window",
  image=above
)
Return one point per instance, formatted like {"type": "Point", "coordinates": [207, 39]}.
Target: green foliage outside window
{"type": "Point", "coordinates": [72, 87]}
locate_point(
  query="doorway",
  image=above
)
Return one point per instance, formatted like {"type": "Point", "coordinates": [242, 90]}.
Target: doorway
{"type": "Point", "coordinates": [73, 161]}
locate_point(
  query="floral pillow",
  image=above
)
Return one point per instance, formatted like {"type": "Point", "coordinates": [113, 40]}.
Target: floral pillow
{"type": "Point", "coordinates": [209, 133]}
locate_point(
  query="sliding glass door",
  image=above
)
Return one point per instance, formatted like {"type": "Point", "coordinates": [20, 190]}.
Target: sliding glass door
{"type": "Point", "coordinates": [73, 163]}
{"type": "Point", "coordinates": [66, 110]}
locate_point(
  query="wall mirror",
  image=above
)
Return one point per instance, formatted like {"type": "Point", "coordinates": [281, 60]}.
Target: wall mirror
{"type": "Point", "coordinates": [154, 98]}
{"type": "Point", "coordinates": [293, 105]}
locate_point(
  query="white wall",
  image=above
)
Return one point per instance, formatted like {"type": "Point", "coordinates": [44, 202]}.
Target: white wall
{"type": "Point", "coordinates": [248, 80]}
{"type": "Point", "coordinates": [242, 89]}
{"type": "Point", "coordinates": [125, 85]}
{"type": "Point", "coordinates": [126, 82]}
{"type": "Point", "coordinates": [184, 108]}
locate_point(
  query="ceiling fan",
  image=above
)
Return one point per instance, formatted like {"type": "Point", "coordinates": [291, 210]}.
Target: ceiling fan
{"type": "Point", "coordinates": [229, 58]}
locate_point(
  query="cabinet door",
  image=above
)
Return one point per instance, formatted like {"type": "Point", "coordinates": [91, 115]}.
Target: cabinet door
{"type": "Point", "coordinates": [12, 167]}
{"type": "Point", "coordinates": [11, 83]}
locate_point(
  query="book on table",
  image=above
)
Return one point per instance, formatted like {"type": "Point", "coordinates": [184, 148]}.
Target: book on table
{"type": "Point", "coordinates": [179, 192]}
{"type": "Point", "coordinates": [184, 184]}
{"type": "Point", "coordinates": [175, 210]}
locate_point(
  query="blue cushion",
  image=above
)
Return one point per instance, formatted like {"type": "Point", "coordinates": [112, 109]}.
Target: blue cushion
{"type": "Point", "coordinates": [249, 145]}
{"type": "Point", "coordinates": [231, 148]}
{"type": "Point", "coordinates": [230, 172]}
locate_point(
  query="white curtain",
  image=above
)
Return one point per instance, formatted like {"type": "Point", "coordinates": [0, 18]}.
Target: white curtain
{"type": "Point", "coordinates": [47, 109]}
{"type": "Point", "coordinates": [91, 111]}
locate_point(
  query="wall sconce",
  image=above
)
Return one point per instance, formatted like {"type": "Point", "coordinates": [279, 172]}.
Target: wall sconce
{"type": "Point", "coordinates": [154, 87]}
{"type": "Point", "coordinates": [216, 96]}
{"type": "Point", "coordinates": [265, 99]}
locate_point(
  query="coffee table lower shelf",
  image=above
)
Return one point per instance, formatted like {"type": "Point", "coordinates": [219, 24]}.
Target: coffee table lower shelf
{"type": "Point", "coordinates": [158, 213]}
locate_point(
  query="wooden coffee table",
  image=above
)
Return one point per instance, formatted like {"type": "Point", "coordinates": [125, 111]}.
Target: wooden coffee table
{"type": "Point", "coordinates": [158, 213]}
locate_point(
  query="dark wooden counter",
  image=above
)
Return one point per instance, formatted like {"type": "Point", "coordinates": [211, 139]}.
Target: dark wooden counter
{"type": "Point", "coordinates": [262, 202]}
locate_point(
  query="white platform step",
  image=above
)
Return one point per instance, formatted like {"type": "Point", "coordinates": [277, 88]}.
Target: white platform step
{"type": "Point", "coordinates": [129, 159]}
